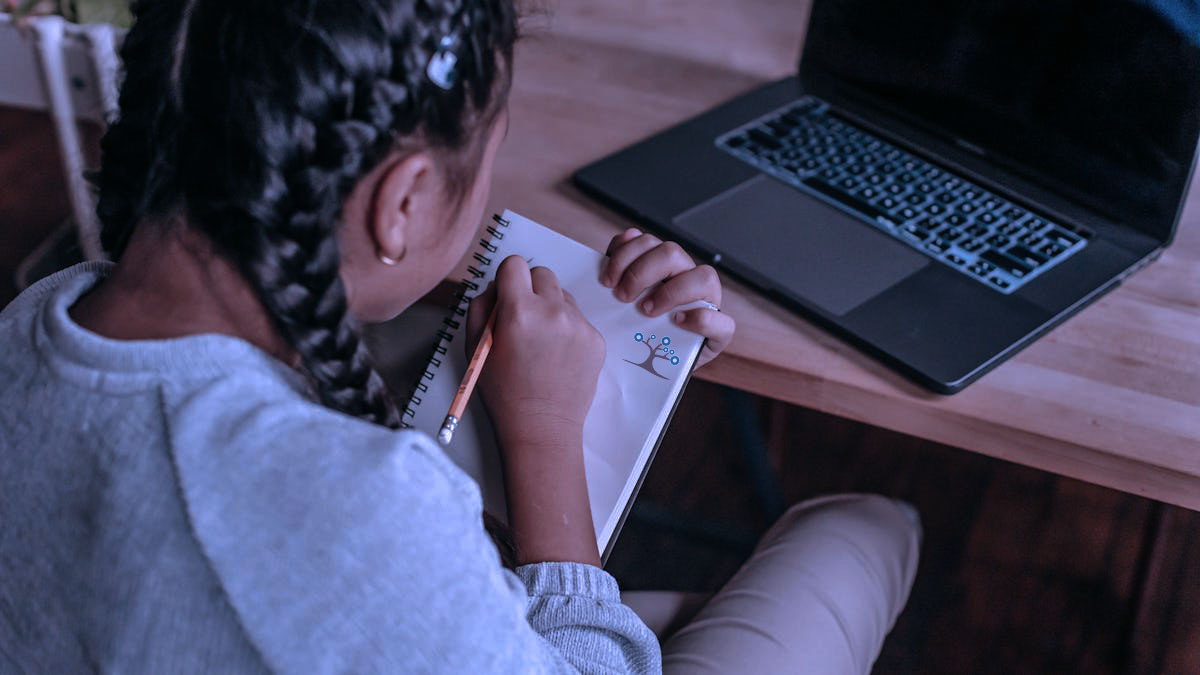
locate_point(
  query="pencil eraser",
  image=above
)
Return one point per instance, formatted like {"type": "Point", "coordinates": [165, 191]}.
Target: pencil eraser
{"type": "Point", "coordinates": [447, 431]}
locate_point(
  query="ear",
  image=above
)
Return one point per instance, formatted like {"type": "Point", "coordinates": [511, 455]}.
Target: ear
{"type": "Point", "coordinates": [403, 195]}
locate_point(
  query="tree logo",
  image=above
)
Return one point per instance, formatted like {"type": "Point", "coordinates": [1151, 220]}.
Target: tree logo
{"type": "Point", "coordinates": [662, 350]}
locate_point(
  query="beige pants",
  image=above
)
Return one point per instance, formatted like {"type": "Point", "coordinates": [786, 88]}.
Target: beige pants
{"type": "Point", "coordinates": [819, 594]}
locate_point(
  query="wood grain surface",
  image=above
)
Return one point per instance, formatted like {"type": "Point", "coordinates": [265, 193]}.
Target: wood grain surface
{"type": "Point", "coordinates": [1111, 397]}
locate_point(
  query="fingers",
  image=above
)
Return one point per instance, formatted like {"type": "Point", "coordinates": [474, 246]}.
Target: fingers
{"type": "Point", "coordinates": [718, 328]}
{"type": "Point", "coordinates": [623, 256]}
{"type": "Point", "coordinates": [659, 263]}
{"type": "Point", "coordinates": [697, 283]}
{"type": "Point", "coordinates": [545, 283]}
{"type": "Point", "coordinates": [624, 237]}
{"type": "Point", "coordinates": [513, 276]}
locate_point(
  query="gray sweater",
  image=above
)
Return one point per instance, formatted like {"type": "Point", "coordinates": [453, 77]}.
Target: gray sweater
{"type": "Point", "coordinates": [180, 506]}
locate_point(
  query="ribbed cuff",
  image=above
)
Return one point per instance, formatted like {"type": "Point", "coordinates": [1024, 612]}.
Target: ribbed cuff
{"type": "Point", "coordinates": [568, 578]}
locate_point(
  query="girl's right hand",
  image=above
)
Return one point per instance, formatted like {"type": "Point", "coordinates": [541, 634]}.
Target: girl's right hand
{"type": "Point", "coordinates": [540, 377]}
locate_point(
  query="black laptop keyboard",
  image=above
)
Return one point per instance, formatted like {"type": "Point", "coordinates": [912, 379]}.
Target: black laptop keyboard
{"type": "Point", "coordinates": [953, 220]}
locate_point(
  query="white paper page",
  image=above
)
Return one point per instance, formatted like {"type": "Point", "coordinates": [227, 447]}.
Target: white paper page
{"type": "Point", "coordinates": [647, 362]}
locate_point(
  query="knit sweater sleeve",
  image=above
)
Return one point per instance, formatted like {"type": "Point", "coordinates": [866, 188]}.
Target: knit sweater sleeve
{"type": "Point", "coordinates": [346, 547]}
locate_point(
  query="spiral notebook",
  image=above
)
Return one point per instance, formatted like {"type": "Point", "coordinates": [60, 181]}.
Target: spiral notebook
{"type": "Point", "coordinates": [647, 364]}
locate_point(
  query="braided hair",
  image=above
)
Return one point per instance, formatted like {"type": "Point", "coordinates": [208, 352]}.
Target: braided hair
{"type": "Point", "coordinates": [255, 119]}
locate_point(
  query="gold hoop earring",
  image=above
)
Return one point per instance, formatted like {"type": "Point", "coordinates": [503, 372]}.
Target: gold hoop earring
{"type": "Point", "coordinates": [391, 262]}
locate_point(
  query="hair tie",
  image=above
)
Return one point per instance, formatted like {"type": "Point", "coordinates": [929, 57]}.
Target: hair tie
{"type": "Point", "coordinates": [442, 69]}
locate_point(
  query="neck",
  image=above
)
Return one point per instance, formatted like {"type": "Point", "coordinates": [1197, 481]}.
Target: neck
{"type": "Point", "coordinates": [171, 283]}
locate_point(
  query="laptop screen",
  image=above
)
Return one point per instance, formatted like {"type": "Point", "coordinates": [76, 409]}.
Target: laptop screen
{"type": "Point", "coordinates": [1098, 98]}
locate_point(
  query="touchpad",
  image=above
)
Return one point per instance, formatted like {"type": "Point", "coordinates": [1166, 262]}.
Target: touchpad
{"type": "Point", "coordinates": [797, 243]}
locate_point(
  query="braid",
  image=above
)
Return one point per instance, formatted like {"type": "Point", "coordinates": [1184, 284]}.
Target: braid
{"type": "Point", "coordinates": [136, 147]}
{"type": "Point", "coordinates": [260, 118]}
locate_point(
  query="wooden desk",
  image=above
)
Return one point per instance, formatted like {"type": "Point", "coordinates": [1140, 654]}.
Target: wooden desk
{"type": "Point", "coordinates": [1110, 397]}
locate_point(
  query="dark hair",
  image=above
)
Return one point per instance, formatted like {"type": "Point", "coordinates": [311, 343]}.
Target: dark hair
{"type": "Point", "coordinates": [256, 118]}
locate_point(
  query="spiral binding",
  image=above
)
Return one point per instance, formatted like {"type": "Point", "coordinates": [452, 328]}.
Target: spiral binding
{"type": "Point", "coordinates": [456, 315]}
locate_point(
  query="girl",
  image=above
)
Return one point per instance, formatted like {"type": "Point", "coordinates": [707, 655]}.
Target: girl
{"type": "Point", "coordinates": [202, 472]}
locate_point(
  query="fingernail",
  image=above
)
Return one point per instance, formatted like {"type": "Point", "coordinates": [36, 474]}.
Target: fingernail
{"type": "Point", "coordinates": [678, 317]}
{"type": "Point", "coordinates": [648, 306]}
{"type": "Point", "coordinates": [605, 281]}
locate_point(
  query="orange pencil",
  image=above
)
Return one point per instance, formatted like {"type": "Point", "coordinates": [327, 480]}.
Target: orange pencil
{"type": "Point", "coordinates": [459, 405]}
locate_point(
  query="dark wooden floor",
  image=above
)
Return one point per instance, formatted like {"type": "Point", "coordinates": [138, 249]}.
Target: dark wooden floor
{"type": "Point", "coordinates": [1022, 572]}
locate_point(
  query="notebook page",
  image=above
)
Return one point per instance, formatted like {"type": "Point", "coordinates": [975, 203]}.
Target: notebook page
{"type": "Point", "coordinates": [647, 363]}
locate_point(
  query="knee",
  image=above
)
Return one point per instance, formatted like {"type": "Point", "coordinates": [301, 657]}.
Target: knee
{"type": "Point", "coordinates": [871, 514]}
{"type": "Point", "coordinates": [883, 533]}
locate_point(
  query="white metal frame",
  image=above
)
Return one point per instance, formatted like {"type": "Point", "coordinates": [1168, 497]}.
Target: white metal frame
{"type": "Point", "coordinates": [69, 70]}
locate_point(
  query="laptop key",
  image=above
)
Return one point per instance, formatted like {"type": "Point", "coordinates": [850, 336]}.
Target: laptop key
{"type": "Point", "coordinates": [779, 127]}
{"type": "Point", "coordinates": [1030, 239]}
{"type": "Point", "coordinates": [1051, 250]}
{"type": "Point", "coordinates": [764, 139]}
{"type": "Point", "coordinates": [1030, 258]}
{"type": "Point", "coordinates": [1067, 240]}
{"type": "Point", "coordinates": [915, 232]}
{"type": "Point", "coordinates": [1017, 269]}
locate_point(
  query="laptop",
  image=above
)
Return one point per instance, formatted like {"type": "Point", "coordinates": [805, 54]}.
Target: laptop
{"type": "Point", "coordinates": [942, 181]}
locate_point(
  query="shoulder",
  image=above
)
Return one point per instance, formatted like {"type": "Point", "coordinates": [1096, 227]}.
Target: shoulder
{"type": "Point", "coordinates": [246, 440]}
{"type": "Point", "coordinates": [341, 545]}
{"type": "Point", "coordinates": [252, 436]}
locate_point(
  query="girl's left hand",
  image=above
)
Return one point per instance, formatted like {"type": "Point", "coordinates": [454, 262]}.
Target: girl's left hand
{"type": "Point", "coordinates": [637, 261]}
